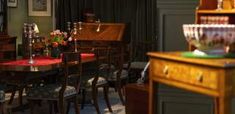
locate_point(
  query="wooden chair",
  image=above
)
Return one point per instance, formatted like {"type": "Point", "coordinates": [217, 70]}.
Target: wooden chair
{"type": "Point", "coordinates": [4, 107]}
{"type": "Point", "coordinates": [12, 84]}
{"type": "Point", "coordinates": [117, 75]}
{"type": "Point", "coordinates": [108, 75]}
{"type": "Point", "coordinates": [96, 80]}
{"type": "Point", "coordinates": [137, 59]}
{"type": "Point", "coordinates": [60, 92]}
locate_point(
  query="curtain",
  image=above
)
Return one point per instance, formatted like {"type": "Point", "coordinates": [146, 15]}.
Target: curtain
{"type": "Point", "coordinates": [139, 16]}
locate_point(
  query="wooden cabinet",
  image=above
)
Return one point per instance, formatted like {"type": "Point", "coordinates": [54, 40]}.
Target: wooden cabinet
{"type": "Point", "coordinates": [7, 43]}
{"type": "Point", "coordinates": [136, 105]}
{"type": "Point", "coordinates": [207, 12]}
{"type": "Point", "coordinates": [7, 48]}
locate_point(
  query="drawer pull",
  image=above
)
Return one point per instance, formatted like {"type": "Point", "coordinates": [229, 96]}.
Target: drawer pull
{"type": "Point", "coordinates": [200, 77]}
{"type": "Point", "coordinates": [165, 70]}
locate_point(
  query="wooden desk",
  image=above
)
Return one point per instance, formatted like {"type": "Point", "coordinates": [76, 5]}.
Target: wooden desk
{"type": "Point", "coordinates": [212, 77]}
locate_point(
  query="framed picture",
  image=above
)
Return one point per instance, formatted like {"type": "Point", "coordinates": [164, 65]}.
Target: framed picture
{"type": "Point", "coordinates": [12, 3]}
{"type": "Point", "coordinates": [39, 7]}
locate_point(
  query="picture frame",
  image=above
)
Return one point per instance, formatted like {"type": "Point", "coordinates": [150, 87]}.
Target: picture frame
{"type": "Point", "coordinates": [12, 3]}
{"type": "Point", "coordinates": [39, 7]}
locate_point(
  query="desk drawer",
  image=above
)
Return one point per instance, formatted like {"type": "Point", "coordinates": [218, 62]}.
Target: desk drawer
{"type": "Point", "coordinates": [186, 73]}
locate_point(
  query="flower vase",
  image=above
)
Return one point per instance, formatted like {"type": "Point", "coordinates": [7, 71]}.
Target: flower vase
{"type": "Point", "coordinates": [55, 52]}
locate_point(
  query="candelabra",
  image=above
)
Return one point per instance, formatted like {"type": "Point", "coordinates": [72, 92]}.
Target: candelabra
{"type": "Point", "coordinates": [219, 4]}
{"type": "Point", "coordinates": [75, 33]}
{"type": "Point", "coordinates": [99, 24]}
{"type": "Point", "coordinates": [80, 25]}
{"type": "Point", "coordinates": [69, 27]}
{"type": "Point", "coordinates": [29, 33]}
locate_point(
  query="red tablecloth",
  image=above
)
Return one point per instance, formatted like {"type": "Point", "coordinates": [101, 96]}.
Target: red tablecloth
{"type": "Point", "coordinates": [40, 61]}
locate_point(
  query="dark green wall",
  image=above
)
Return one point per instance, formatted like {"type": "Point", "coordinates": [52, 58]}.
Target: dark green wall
{"type": "Point", "coordinates": [17, 16]}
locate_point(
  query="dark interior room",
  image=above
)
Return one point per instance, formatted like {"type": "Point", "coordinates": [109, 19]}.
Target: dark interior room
{"type": "Point", "coordinates": [117, 56]}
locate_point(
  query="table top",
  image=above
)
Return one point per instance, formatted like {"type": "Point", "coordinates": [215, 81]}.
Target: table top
{"type": "Point", "coordinates": [177, 56]}
{"type": "Point", "coordinates": [42, 64]}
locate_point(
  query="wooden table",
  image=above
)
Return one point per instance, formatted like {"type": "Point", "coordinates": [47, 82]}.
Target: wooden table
{"type": "Point", "coordinates": [212, 77]}
{"type": "Point", "coordinates": [23, 74]}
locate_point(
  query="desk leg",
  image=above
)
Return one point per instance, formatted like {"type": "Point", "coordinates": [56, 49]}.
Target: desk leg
{"type": "Point", "coordinates": [153, 88]}
{"type": "Point", "coordinates": [222, 105]}
{"type": "Point", "coordinates": [150, 97]}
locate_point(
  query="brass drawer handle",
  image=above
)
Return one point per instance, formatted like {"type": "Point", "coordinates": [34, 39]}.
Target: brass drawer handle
{"type": "Point", "coordinates": [166, 70]}
{"type": "Point", "coordinates": [199, 78]}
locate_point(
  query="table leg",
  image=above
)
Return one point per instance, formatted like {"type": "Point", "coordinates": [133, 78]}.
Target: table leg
{"type": "Point", "coordinates": [153, 88]}
{"type": "Point", "coordinates": [222, 105]}
{"type": "Point", "coordinates": [216, 106]}
{"type": "Point", "coordinates": [150, 96]}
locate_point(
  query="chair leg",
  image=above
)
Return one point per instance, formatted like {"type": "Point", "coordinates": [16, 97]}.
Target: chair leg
{"type": "Point", "coordinates": [31, 105]}
{"type": "Point", "coordinates": [83, 98]}
{"type": "Point", "coordinates": [21, 96]}
{"type": "Point", "coordinates": [119, 89]}
{"type": "Point", "coordinates": [61, 106]}
{"type": "Point", "coordinates": [50, 107]}
{"type": "Point", "coordinates": [12, 97]}
{"type": "Point", "coordinates": [55, 106]}
{"type": "Point", "coordinates": [94, 98]}
{"type": "Point", "coordinates": [76, 107]}
{"type": "Point", "coordinates": [106, 90]}
{"type": "Point", "coordinates": [68, 108]}
{"type": "Point", "coordinates": [2, 108]}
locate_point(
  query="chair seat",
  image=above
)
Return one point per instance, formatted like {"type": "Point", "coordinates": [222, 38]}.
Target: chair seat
{"type": "Point", "coordinates": [49, 92]}
{"type": "Point", "coordinates": [4, 89]}
{"type": "Point", "coordinates": [105, 66]}
{"type": "Point", "coordinates": [2, 96]}
{"type": "Point", "coordinates": [124, 74]}
{"type": "Point", "coordinates": [100, 81]}
{"type": "Point", "coordinates": [138, 65]}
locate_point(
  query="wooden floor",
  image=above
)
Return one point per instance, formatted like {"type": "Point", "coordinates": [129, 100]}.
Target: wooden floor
{"type": "Point", "coordinates": [117, 107]}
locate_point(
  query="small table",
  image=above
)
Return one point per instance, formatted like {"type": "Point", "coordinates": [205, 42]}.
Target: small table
{"type": "Point", "coordinates": [212, 77]}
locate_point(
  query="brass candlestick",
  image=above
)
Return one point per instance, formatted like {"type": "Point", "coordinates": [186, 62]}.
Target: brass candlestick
{"type": "Point", "coordinates": [74, 34]}
{"type": "Point", "coordinates": [219, 4]}
{"type": "Point", "coordinates": [29, 33]}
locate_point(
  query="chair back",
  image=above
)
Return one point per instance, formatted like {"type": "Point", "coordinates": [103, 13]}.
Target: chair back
{"type": "Point", "coordinates": [91, 69]}
{"type": "Point", "coordinates": [72, 69]}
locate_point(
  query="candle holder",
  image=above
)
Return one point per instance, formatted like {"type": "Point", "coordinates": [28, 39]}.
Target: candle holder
{"type": "Point", "coordinates": [219, 4]}
{"type": "Point", "coordinates": [69, 27]}
{"type": "Point", "coordinates": [80, 25]}
{"type": "Point", "coordinates": [29, 33]}
{"type": "Point", "coordinates": [74, 34]}
{"type": "Point", "coordinates": [99, 24]}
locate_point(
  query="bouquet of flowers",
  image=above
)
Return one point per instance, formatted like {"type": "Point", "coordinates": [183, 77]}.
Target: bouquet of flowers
{"type": "Point", "coordinates": [58, 38]}
{"type": "Point", "coordinates": [58, 42]}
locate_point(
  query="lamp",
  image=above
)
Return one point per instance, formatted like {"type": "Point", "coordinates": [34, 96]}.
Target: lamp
{"type": "Point", "coordinates": [35, 28]}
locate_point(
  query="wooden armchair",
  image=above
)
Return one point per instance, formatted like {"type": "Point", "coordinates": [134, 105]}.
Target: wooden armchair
{"type": "Point", "coordinates": [93, 78]}
{"type": "Point", "coordinates": [116, 73]}
{"type": "Point", "coordinates": [60, 92]}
